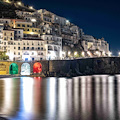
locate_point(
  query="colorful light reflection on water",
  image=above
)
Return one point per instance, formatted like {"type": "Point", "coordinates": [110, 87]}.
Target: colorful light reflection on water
{"type": "Point", "coordinates": [85, 98]}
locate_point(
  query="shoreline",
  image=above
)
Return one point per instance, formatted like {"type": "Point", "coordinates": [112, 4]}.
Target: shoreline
{"type": "Point", "coordinates": [12, 76]}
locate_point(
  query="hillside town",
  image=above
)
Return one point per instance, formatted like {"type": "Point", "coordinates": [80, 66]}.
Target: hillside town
{"type": "Point", "coordinates": [42, 35]}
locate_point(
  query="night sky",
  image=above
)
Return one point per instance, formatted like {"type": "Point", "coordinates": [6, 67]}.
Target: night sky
{"type": "Point", "coordinates": [98, 18]}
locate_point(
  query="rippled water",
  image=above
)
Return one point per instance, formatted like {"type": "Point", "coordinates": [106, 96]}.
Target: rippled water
{"type": "Point", "coordinates": [80, 98]}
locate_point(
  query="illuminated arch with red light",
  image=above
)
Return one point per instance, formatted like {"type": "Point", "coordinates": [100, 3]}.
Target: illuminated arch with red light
{"type": "Point", "coordinates": [37, 67]}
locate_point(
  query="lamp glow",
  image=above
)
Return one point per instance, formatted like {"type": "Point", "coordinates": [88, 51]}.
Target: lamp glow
{"type": "Point", "coordinates": [19, 3]}
{"type": "Point", "coordinates": [75, 53]}
{"type": "Point", "coordinates": [69, 53]}
{"type": "Point", "coordinates": [83, 54]}
{"type": "Point", "coordinates": [109, 54]}
{"type": "Point", "coordinates": [30, 7]}
{"type": "Point", "coordinates": [33, 20]}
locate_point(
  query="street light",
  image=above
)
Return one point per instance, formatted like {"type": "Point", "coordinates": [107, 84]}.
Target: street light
{"type": "Point", "coordinates": [88, 52]}
{"type": "Point", "coordinates": [19, 3]}
{"type": "Point", "coordinates": [119, 54]}
{"type": "Point", "coordinates": [33, 20]}
{"type": "Point", "coordinates": [75, 53]}
{"type": "Point", "coordinates": [69, 53]}
{"type": "Point", "coordinates": [83, 54]}
{"type": "Point", "coordinates": [103, 53]}
{"type": "Point", "coordinates": [109, 54]}
{"type": "Point", "coordinates": [30, 7]}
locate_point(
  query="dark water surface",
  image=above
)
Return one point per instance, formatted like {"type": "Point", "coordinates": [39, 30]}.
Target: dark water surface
{"type": "Point", "coordinates": [79, 98]}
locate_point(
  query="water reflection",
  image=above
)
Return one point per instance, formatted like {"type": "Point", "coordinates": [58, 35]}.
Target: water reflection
{"type": "Point", "coordinates": [85, 98]}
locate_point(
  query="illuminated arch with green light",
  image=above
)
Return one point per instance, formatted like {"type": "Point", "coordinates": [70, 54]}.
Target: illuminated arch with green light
{"type": "Point", "coordinates": [13, 69]}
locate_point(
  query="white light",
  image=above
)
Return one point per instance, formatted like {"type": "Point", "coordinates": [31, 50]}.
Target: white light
{"type": "Point", "coordinates": [31, 7]}
{"type": "Point", "coordinates": [19, 3]}
{"type": "Point", "coordinates": [7, 54]}
{"type": "Point", "coordinates": [33, 20]}
{"type": "Point", "coordinates": [75, 53]}
{"type": "Point", "coordinates": [67, 21]}
{"type": "Point", "coordinates": [83, 53]}
{"type": "Point", "coordinates": [103, 53]}
{"type": "Point", "coordinates": [88, 52]}
{"type": "Point", "coordinates": [97, 52]}
{"type": "Point", "coordinates": [119, 53]}
{"type": "Point", "coordinates": [69, 53]}
{"type": "Point", "coordinates": [25, 69]}
{"type": "Point", "coordinates": [110, 53]}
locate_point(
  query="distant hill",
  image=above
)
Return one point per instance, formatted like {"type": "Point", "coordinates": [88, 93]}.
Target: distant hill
{"type": "Point", "coordinates": [7, 10]}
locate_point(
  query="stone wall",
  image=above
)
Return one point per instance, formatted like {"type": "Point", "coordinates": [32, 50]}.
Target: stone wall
{"type": "Point", "coordinates": [86, 66]}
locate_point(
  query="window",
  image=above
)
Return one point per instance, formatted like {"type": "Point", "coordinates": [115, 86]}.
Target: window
{"type": "Point", "coordinates": [4, 43]}
{"type": "Point", "coordinates": [28, 25]}
{"type": "Point", "coordinates": [32, 30]}
{"type": "Point", "coordinates": [10, 38]}
{"type": "Point", "coordinates": [27, 48]}
{"type": "Point", "coordinates": [38, 48]}
{"type": "Point", "coordinates": [27, 29]}
{"type": "Point", "coordinates": [23, 48]}
{"type": "Point", "coordinates": [27, 43]}
{"type": "Point", "coordinates": [4, 34]}
{"type": "Point", "coordinates": [15, 32]}
{"type": "Point", "coordinates": [18, 48]}
{"type": "Point", "coordinates": [32, 48]}
{"type": "Point", "coordinates": [18, 25]}
{"type": "Point", "coordinates": [23, 25]}
{"type": "Point", "coordinates": [41, 53]}
{"type": "Point", "coordinates": [41, 48]}
{"type": "Point", "coordinates": [32, 43]}
{"type": "Point", "coordinates": [19, 32]}
{"type": "Point", "coordinates": [14, 53]}
{"type": "Point", "coordinates": [32, 53]}
{"type": "Point", "coordinates": [18, 53]}
{"type": "Point", "coordinates": [11, 34]}
{"type": "Point", "coordinates": [18, 43]}
{"type": "Point", "coordinates": [14, 47]}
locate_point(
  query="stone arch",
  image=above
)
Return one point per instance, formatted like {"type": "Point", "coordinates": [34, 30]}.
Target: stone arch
{"type": "Point", "coordinates": [37, 67]}
{"type": "Point", "coordinates": [25, 69]}
{"type": "Point", "coordinates": [13, 69]}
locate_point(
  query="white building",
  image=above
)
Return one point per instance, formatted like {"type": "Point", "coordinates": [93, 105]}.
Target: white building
{"type": "Point", "coordinates": [89, 43]}
{"type": "Point", "coordinates": [53, 45]}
